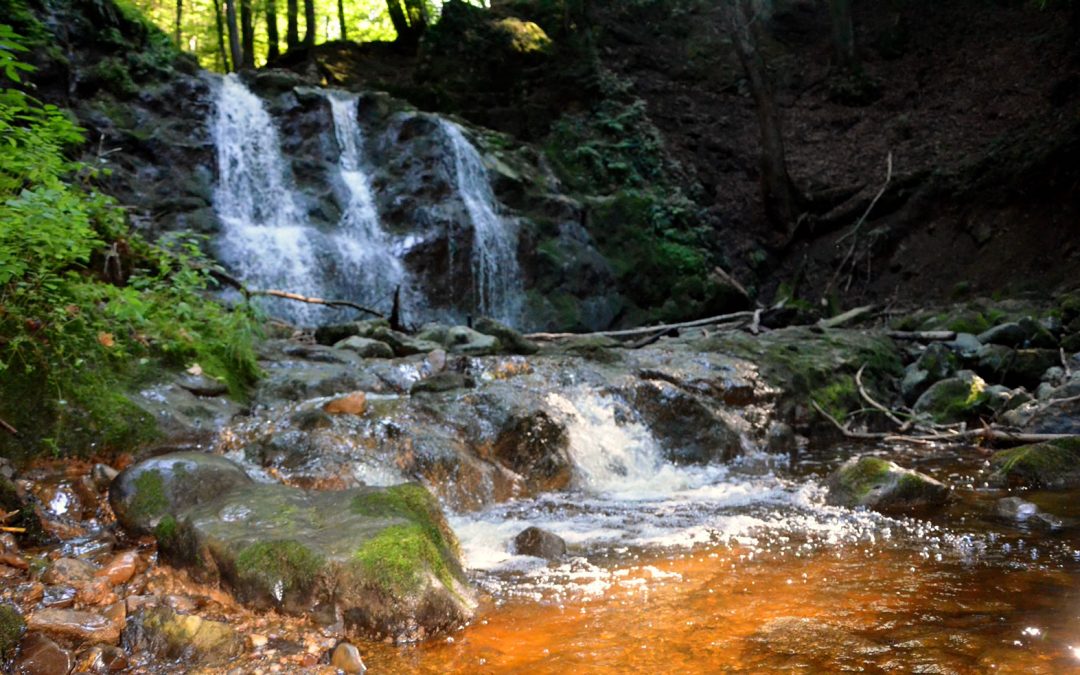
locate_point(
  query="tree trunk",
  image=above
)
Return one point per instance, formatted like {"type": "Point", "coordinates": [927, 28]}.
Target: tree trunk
{"type": "Point", "coordinates": [778, 192]}
{"type": "Point", "coordinates": [221, 37]}
{"type": "Point", "coordinates": [247, 33]}
{"type": "Point", "coordinates": [271, 31]}
{"type": "Point", "coordinates": [292, 29]}
{"type": "Point", "coordinates": [234, 33]}
{"type": "Point", "coordinates": [179, 15]}
{"type": "Point", "coordinates": [341, 19]}
{"type": "Point", "coordinates": [843, 33]}
{"type": "Point", "coordinates": [397, 17]}
{"type": "Point", "coordinates": [410, 21]}
{"type": "Point", "coordinates": [309, 21]}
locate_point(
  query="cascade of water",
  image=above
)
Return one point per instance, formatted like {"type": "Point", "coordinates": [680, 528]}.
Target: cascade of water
{"type": "Point", "coordinates": [495, 271]}
{"type": "Point", "coordinates": [267, 239]}
{"type": "Point", "coordinates": [368, 260]}
{"type": "Point", "coordinates": [260, 219]}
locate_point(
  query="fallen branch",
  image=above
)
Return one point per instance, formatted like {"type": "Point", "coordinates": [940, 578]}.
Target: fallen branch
{"type": "Point", "coordinates": [645, 330]}
{"type": "Point", "coordinates": [904, 426]}
{"type": "Point", "coordinates": [846, 317]}
{"type": "Point", "coordinates": [233, 282]}
{"type": "Point", "coordinates": [8, 428]}
{"type": "Point", "coordinates": [13, 530]}
{"type": "Point", "coordinates": [923, 335]}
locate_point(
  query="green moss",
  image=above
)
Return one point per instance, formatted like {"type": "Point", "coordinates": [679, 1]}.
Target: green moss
{"type": "Point", "coordinates": [860, 477]}
{"type": "Point", "coordinates": [149, 500]}
{"type": "Point", "coordinates": [287, 562]}
{"type": "Point", "coordinates": [11, 629]}
{"type": "Point", "coordinates": [398, 559]}
{"type": "Point", "coordinates": [166, 530]}
{"type": "Point", "coordinates": [112, 75]}
{"type": "Point", "coordinates": [837, 398]}
{"type": "Point", "coordinates": [412, 502]}
{"type": "Point", "coordinates": [1039, 464]}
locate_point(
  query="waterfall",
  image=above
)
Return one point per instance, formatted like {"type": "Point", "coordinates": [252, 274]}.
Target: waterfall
{"type": "Point", "coordinates": [267, 239]}
{"type": "Point", "coordinates": [495, 272]}
{"type": "Point", "coordinates": [369, 262]}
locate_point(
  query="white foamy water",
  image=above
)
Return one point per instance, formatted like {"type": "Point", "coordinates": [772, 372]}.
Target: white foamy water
{"type": "Point", "coordinates": [628, 498]}
{"type": "Point", "coordinates": [496, 275]}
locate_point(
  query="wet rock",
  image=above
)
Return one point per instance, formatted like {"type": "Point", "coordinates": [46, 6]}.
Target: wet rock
{"type": "Point", "coordinates": [334, 333]}
{"type": "Point", "coordinates": [955, 399]}
{"type": "Point", "coordinates": [511, 340]}
{"type": "Point", "coordinates": [171, 636]}
{"type": "Point", "coordinates": [102, 659]}
{"type": "Point", "coordinates": [964, 345]}
{"type": "Point", "coordinates": [1006, 334]}
{"type": "Point", "coordinates": [12, 626]}
{"type": "Point", "coordinates": [366, 347]}
{"type": "Point", "coordinates": [1015, 509]}
{"type": "Point", "coordinates": [936, 363]}
{"type": "Point", "coordinates": [25, 516]}
{"type": "Point", "coordinates": [76, 625]}
{"type": "Point", "coordinates": [145, 492]}
{"type": "Point", "coordinates": [1028, 366]}
{"type": "Point", "coordinates": [536, 447]}
{"type": "Point", "coordinates": [540, 544]}
{"type": "Point", "coordinates": [780, 437]}
{"type": "Point", "coordinates": [68, 571]}
{"type": "Point", "coordinates": [202, 385]}
{"type": "Point", "coordinates": [95, 593]}
{"type": "Point", "coordinates": [120, 568]}
{"type": "Point", "coordinates": [402, 344]}
{"type": "Point", "coordinates": [38, 655]}
{"type": "Point", "coordinates": [1036, 335]}
{"type": "Point", "coordinates": [465, 340]}
{"type": "Point", "coordinates": [594, 347]}
{"type": "Point", "coordinates": [311, 419]}
{"type": "Point", "coordinates": [321, 354]}
{"type": "Point", "coordinates": [102, 475]}
{"type": "Point", "coordinates": [351, 404]}
{"type": "Point", "coordinates": [1050, 416]}
{"type": "Point", "coordinates": [444, 381]}
{"type": "Point", "coordinates": [994, 361]}
{"type": "Point", "coordinates": [346, 658]}
{"type": "Point", "coordinates": [58, 597]}
{"type": "Point", "coordinates": [690, 429]}
{"type": "Point", "coordinates": [383, 558]}
{"type": "Point", "coordinates": [1054, 465]}
{"type": "Point", "coordinates": [180, 414]}
{"type": "Point", "coordinates": [884, 486]}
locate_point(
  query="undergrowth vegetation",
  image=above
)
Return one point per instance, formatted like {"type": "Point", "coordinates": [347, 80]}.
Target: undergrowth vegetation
{"type": "Point", "coordinates": [87, 308]}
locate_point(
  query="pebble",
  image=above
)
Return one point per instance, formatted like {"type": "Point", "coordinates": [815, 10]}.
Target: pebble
{"type": "Point", "coordinates": [102, 475]}
{"type": "Point", "coordinates": [102, 659]}
{"type": "Point", "coordinates": [347, 658]}
{"type": "Point", "coordinates": [121, 568]}
{"type": "Point", "coordinates": [75, 624]}
{"type": "Point", "coordinates": [38, 655]}
{"type": "Point", "coordinates": [256, 641]}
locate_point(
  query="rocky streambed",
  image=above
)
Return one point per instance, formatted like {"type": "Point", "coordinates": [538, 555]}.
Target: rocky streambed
{"type": "Point", "coordinates": [466, 500]}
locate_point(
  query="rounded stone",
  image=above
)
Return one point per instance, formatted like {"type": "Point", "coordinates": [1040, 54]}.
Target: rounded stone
{"type": "Point", "coordinates": [347, 659]}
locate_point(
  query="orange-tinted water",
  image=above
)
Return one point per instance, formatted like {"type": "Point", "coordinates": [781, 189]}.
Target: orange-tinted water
{"type": "Point", "coordinates": [848, 610]}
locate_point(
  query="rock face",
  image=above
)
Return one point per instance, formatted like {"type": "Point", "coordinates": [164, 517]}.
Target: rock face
{"type": "Point", "coordinates": [146, 491]}
{"type": "Point", "coordinates": [383, 558]}
{"type": "Point", "coordinates": [955, 399]}
{"type": "Point", "coordinates": [1054, 465]}
{"type": "Point", "coordinates": [883, 486]}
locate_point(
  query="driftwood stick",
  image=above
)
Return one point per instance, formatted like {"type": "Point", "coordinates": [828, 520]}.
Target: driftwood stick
{"type": "Point", "coordinates": [923, 335]}
{"type": "Point", "coordinates": [315, 301]}
{"type": "Point", "coordinates": [8, 428]}
{"type": "Point", "coordinates": [904, 426]}
{"type": "Point", "coordinates": [646, 329]}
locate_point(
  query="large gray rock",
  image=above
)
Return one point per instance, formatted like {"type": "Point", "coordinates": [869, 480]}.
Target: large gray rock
{"type": "Point", "coordinates": [936, 363]}
{"type": "Point", "coordinates": [883, 486]}
{"type": "Point", "coordinates": [1053, 465]}
{"type": "Point", "coordinates": [146, 492]}
{"type": "Point", "coordinates": [689, 427]}
{"type": "Point", "coordinates": [511, 340]}
{"type": "Point", "coordinates": [955, 399]}
{"type": "Point", "coordinates": [539, 543]}
{"type": "Point", "coordinates": [465, 340]}
{"type": "Point", "coordinates": [382, 558]}
{"type": "Point", "coordinates": [1006, 334]}
{"type": "Point", "coordinates": [366, 347]}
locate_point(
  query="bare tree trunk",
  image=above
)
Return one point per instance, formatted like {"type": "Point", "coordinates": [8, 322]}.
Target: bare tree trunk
{"type": "Point", "coordinates": [397, 17]}
{"type": "Point", "coordinates": [341, 19]}
{"type": "Point", "coordinates": [179, 15]}
{"type": "Point", "coordinates": [292, 29]}
{"type": "Point", "coordinates": [781, 198]}
{"type": "Point", "coordinates": [309, 21]}
{"type": "Point", "coordinates": [225, 66]}
{"type": "Point", "coordinates": [410, 21]}
{"type": "Point", "coordinates": [271, 31]}
{"type": "Point", "coordinates": [234, 34]}
{"type": "Point", "coordinates": [843, 32]}
{"type": "Point", "coordinates": [247, 33]}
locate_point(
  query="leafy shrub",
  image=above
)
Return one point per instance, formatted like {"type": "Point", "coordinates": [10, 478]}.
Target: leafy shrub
{"type": "Point", "coordinates": [87, 308]}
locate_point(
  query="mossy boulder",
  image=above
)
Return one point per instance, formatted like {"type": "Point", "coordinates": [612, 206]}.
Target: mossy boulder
{"type": "Point", "coordinates": [383, 558]}
{"type": "Point", "coordinates": [1054, 465]}
{"type": "Point", "coordinates": [171, 636]}
{"type": "Point", "coordinates": [956, 399]}
{"type": "Point", "coordinates": [146, 492]}
{"type": "Point", "coordinates": [12, 626]}
{"type": "Point", "coordinates": [366, 347]}
{"type": "Point", "coordinates": [884, 486]}
{"type": "Point", "coordinates": [511, 340]}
